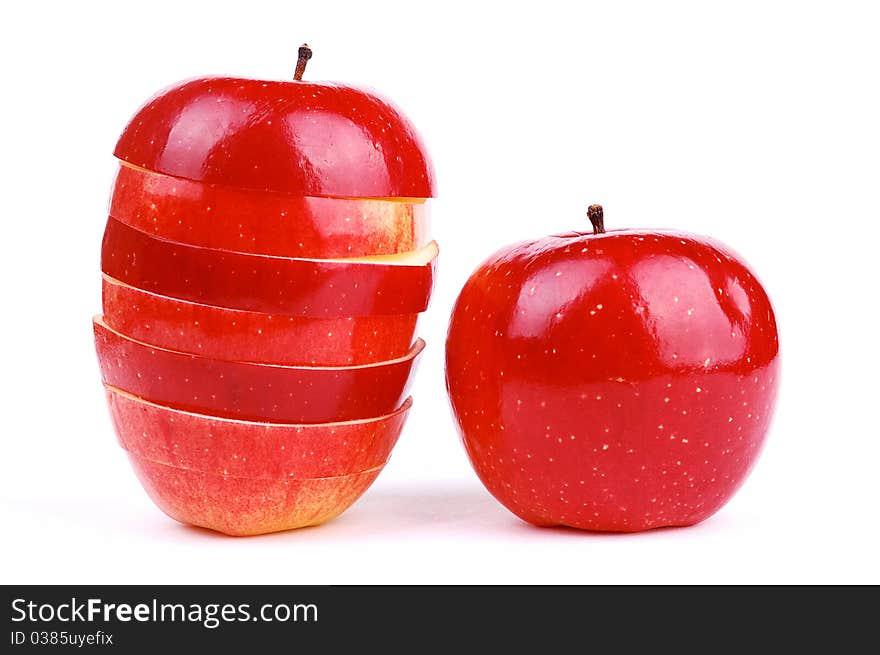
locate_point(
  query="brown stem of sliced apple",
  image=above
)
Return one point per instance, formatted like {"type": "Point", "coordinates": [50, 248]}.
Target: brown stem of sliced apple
{"type": "Point", "coordinates": [597, 218]}
{"type": "Point", "coordinates": [305, 53]}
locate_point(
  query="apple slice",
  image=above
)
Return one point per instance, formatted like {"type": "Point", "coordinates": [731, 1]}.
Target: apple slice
{"type": "Point", "coordinates": [253, 336]}
{"type": "Point", "coordinates": [248, 506]}
{"type": "Point", "coordinates": [250, 391]}
{"type": "Point", "coordinates": [250, 449]}
{"type": "Point", "coordinates": [299, 137]}
{"type": "Point", "coordinates": [264, 222]}
{"type": "Point", "coordinates": [381, 284]}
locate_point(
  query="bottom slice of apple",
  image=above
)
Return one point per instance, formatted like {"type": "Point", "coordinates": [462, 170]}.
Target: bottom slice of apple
{"type": "Point", "coordinates": [253, 336]}
{"type": "Point", "coordinates": [248, 506]}
{"type": "Point", "coordinates": [251, 449]}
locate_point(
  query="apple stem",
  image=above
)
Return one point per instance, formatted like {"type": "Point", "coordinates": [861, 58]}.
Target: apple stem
{"type": "Point", "coordinates": [305, 53]}
{"type": "Point", "coordinates": [597, 218]}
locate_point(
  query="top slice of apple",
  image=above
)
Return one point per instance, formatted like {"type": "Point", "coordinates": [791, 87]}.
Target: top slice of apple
{"type": "Point", "coordinates": [303, 138]}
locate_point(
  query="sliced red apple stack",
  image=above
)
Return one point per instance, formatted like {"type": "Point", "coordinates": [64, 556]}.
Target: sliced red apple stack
{"type": "Point", "coordinates": [265, 260]}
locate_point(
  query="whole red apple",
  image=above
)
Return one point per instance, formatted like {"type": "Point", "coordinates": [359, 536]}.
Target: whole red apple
{"type": "Point", "coordinates": [613, 381]}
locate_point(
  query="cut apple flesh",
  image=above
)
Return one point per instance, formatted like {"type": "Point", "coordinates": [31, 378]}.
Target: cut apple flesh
{"type": "Point", "coordinates": [252, 336]}
{"type": "Point", "coordinates": [386, 284]}
{"type": "Point", "coordinates": [263, 222]}
{"type": "Point", "coordinates": [250, 449]}
{"type": "Point", "coordinates": [248, 506]}
{"type": "Point", "coordinates": [251, 391]}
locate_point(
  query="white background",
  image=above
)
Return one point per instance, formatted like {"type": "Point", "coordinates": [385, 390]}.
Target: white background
{"type": "Point", "coordinates": [758, 124]}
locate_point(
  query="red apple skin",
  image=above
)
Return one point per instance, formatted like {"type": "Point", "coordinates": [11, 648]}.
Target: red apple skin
{"type": "Point", "coordinates": [246, 449]}
{"type": "Point", "coordinates": [266, 223]}
{"type": "Point", "coordinates": [248, 391]}
{"type": "Point", "coordinates": [613, 382]}
{"type": "Point", "coordinates": [303, 138]}
{"type": "Point", "coordinates": [244, 507]}
{"type": "Point", "coordinates": [257, 283]}
{"type": "Point", "coordinates": [251, 336]}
